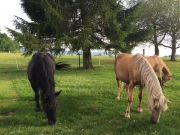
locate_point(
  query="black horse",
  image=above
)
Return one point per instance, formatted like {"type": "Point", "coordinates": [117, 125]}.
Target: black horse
{"type": "Point", "coordinates": [40, 71]}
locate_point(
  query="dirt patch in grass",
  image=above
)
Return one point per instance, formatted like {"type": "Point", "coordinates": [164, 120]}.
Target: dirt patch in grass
{"type": "Point", "coordinates": [10, 114]}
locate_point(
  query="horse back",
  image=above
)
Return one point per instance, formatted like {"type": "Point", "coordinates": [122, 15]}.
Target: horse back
{"type": "Point", "coordinates": [156, 62]}
{"type": "Point", "coordinates": [41, 65]}
{"type": "Point", "coordinates": [123, 67]}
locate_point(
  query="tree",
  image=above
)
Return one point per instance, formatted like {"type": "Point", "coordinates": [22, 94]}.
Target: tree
{"type": "Point", "coordinates": [173, 25]}
{"type": "Point", "coordinates": [7, 44]}
{"type": "Point", "coordinates": [27, 36]}
{"type": "Point", "coordinates": [130, 33]}
{"type": "Point", "coordinates": [153, 14]}
{"type": "Point", "coordinates": [84, 22]}
{"type": "Point", "coordinates": [164, 16]}
{"type": "Point", "coordinates": [77, 24]}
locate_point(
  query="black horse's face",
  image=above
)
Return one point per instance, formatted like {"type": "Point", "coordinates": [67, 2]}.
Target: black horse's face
{"type": "Point", "coordinates": [49, 106]}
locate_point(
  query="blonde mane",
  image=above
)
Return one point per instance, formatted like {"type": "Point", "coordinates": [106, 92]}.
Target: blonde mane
{"type": "Point", "coordinates": [150, 80]}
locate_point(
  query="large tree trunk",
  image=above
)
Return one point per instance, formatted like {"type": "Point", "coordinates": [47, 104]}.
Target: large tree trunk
{"type": "Point", "coordinates": [156, 48]}
{"type": "Point", "coordinates": [173, 53]}
{"type": "Point", "coordinates": [87, 60]}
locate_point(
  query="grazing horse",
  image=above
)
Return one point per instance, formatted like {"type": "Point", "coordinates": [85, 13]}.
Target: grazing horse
{"type": "Point", "coordinates": [40, 71]}
{"type": "Point", "coordinates": [159, 66]}
{"type": "Point", "coordinates": [136, 70]}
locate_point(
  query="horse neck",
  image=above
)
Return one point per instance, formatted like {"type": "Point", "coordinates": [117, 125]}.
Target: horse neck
{"type": "Point", "coordinates": [148, 76]}
{"type": "Point", "coordinates": [166, 70]}
{"type": "Point", "coordinates": [49, 87]}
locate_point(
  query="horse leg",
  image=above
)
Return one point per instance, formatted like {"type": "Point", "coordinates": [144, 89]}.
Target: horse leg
{"type": "Point", "coordinates": [36, 91]}
{"type": "Point", "coordinates": [127, 90]}
{"type": "Point", "coordinates": [118, 89]}
{"type": "Point", "coordinates": [130, 99]}
{"type": "Point", "coordinates": [160, 78]}
{"type": "Point", "coordinates": [140, 98]}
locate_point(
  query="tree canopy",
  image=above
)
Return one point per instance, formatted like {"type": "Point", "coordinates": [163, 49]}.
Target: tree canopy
{"type": "Point", "coordinates": [79, 25]}
{"type": "Point", "coordinates": [163, 16]}
{"type": "Point", "coordinates": [130, 32]}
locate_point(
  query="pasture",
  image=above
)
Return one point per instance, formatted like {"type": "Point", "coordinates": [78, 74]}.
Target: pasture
{"type": "Point", "coordinates": [87, 104]}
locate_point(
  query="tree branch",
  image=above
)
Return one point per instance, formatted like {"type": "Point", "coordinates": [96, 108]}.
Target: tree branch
{"type": "Point", "coordinates": [166, 46]}
{"type": "Point", "coordinates": [162, 38]}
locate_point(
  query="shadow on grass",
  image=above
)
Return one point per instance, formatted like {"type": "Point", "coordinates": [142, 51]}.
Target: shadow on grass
{"type": "Point", "coordinates": [75, 111]}
{"type": "Point", "coordinates": [71, 109]}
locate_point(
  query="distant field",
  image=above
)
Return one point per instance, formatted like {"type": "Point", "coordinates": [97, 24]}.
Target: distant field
{"type": "Point", "coordinates": [87, 104]}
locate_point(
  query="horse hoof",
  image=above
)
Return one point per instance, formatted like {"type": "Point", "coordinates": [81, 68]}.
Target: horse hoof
{"type": "Point", "coordinates": [139, 110]}
{"type": "Point", "coordinates": [127, 115]}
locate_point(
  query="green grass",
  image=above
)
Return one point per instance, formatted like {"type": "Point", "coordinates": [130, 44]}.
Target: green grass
{"type": "Point", "coordinates": [87, 104]}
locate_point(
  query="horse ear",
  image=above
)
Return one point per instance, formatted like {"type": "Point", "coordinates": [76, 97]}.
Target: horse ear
{"type": "Point", "coordinates": [57, 93]}
{"type": "Point", "coordinates": [167, 101]}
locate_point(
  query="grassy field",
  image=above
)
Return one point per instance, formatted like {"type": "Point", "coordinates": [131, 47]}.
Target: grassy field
{"type": "Point", "coordinates": [87, 104]}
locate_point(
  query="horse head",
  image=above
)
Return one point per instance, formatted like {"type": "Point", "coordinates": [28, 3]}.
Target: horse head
{"type": "Point", "coordinates": [156, 107]}
{"type": "Point", "coordinates": [166, 78]}
{"type": "Point", "coordinates": [49, 105]}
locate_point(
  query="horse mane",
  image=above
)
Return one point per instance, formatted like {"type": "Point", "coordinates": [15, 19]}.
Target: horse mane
{"type": "Point", "coordinates": [45, 68]}
{"type": "Point", "coordinates": [149, 79]}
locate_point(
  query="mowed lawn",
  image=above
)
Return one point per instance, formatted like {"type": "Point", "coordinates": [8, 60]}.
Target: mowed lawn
{"type": "Point", "coordinates": [87, 104]}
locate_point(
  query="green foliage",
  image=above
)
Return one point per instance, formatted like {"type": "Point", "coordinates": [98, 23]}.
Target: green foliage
{"type": "Point", "coordinates": [163, 16]}
{"type": "Point", "coordinates": [87, 104]}
{"type": "Point", "coordinates": [30, 42]}
{"type": "Point", "coordinates": [7, 44]}
{"type": "Point", "coordinates": [130, 33]}
{"type": "Point", "coordinates": [75, 24]}
{"type": "Point", "coordinates": [69, 20]}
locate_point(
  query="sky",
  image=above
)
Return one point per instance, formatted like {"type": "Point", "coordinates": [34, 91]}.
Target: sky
{"type": "Point", "coordinates": [11, 8]}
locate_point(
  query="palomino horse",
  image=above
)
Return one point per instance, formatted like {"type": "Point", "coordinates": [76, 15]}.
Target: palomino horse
{"type": "Point", "coordinates": [159, 66]}
{"type": "Point", "coordinates": [136, 70]}
{"type": "Point", "coordinates": [40, 72]}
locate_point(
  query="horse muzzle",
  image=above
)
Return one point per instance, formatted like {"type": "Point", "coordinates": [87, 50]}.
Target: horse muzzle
{"type": "Point", "coordinates": [153, 121]}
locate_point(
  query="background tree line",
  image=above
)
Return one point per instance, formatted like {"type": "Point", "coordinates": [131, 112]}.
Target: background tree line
{"type": "Point", "coordinates": [7, 44]}
{"type": "Point", "coordinates": [113, 25]}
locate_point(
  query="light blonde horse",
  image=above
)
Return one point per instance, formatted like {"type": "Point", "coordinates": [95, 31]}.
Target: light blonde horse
{"type": "Point", "coordinates": [159, 66]}
{"type": "Point", "coordinates": [136, 70]}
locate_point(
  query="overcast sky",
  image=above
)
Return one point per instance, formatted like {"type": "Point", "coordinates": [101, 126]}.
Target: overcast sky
{"type": "Point", "coordinates": [11, 8]}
